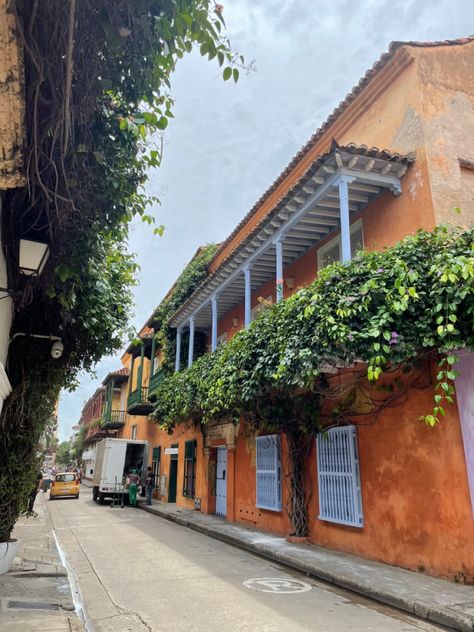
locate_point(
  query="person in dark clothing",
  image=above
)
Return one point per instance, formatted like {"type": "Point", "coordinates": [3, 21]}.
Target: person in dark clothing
{"type": "Point", "coordinates": [149, 484]}
{"type": "Point", "coordinates": [132, 489]}
{"type": "Point", "coordinates": [34, 491]}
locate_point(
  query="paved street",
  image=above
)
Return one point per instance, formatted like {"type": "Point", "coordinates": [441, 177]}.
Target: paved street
{"type": "Point", "coordinates": [139, 572]}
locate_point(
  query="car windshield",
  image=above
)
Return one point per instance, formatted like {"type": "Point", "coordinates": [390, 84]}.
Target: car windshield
{"type": "Point", "coordinates": [65, 478]}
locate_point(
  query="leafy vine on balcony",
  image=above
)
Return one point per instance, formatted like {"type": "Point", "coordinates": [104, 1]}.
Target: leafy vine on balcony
{"type": "Point", "coordinates": [383, 311]}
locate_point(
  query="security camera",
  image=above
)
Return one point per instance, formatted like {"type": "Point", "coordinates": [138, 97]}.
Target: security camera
{"type": "Point", "coordinates": [57, 349]}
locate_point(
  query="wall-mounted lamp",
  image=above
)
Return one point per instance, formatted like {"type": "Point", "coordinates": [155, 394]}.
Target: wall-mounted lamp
{"type": "Point", "coordinates": [290, 282]}
{"type": "Point", "coordinates": [235, 321]}
{"type": "Point", "coordinates": [32, 257]}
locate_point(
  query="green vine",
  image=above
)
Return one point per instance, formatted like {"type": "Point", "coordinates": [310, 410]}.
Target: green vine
{"type": "Point", "coordinates": [385, 309]}
{"type": "Point", "coordinates": [97, 88]}
{"type": "Point", "coordinates": [191, 277]}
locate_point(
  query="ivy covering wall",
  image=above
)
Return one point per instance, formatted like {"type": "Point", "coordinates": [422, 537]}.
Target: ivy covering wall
{"type": "Point", "coordinates": [385, 309]}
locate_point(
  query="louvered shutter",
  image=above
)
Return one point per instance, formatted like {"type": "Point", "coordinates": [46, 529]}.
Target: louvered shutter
{"type": "Point", "coordinates": [268, 472]}
{"type": "Point", "coordinates": [340, 498]}
{"type": "Point", "coordinates": [332, 254]}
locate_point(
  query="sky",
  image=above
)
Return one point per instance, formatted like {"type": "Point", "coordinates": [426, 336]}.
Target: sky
{"type": "Point", "coordinates": [227, 142]}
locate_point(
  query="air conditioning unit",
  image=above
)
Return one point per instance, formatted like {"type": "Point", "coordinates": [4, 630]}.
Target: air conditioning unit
{"type": "Point", "coordinates": [197, 503]}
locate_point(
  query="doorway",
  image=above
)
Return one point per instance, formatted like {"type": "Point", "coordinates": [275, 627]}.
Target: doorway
{"type": "Point", "coordinates": [221, 482]}
{"type": "Point", "coordinates": [173, 478]}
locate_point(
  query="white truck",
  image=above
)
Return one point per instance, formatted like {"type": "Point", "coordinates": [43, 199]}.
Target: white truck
{"type": "Point", "coordinates": [115, 459]}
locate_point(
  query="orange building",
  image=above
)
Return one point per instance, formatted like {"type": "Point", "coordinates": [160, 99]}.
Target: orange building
{"type": "Point", "coordinates": [395, 156]}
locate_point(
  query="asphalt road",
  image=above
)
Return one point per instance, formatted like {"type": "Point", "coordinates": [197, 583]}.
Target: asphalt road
{"type": "Point", "coordinates": [136, 572]}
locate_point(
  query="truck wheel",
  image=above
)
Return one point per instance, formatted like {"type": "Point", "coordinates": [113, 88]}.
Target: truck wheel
{"type": "Point", "coordinates": [101, 498]}
{"type": "Point", "coordinates": [95, 493]}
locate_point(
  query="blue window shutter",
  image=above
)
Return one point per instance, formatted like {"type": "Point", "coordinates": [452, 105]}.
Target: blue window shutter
{"type": "Point", "coordinates": [268, 470]}
{"type": "Point", "coordinates": [340, 498]}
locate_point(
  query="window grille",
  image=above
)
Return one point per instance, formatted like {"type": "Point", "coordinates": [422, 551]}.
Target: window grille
{"type": "Point", "coordinates": [268, 472]}
{"type": "Point", "coordinates": [155, 465]}
{"type": "Point", "coordinates": [189, 482]}
{"type": "Point", "coordinates": [340, 498]}
{"type": "Point", "coordinates": [331, 252]}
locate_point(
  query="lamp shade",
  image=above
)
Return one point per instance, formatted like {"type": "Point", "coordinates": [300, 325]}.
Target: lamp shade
{"type": "Point", "coordinates": [32, 257]}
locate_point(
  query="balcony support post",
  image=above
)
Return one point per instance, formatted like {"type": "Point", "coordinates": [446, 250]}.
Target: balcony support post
{"type": "Point", "coordinates": [214, 323]}
{"type": "Point", "coordinates": [191, 340]}
{"type": "Point", "coordinates": [130, 378]}
{"type": "Point", "coordinates": [279, 270]}
{"type": "Point", "coordinates": [248, 296]}
{"type": "Point", "coordinates": [343, 186]}
{"type": "Point", "coordinates": [152, 357]}
{"type": "Point", "coordinates": [140, 371]}
{"type": "Point", "coordinates": [179, 334]}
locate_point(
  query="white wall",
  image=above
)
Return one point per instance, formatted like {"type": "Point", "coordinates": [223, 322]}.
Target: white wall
{"type": "Point", "coordinates": [6, 314]}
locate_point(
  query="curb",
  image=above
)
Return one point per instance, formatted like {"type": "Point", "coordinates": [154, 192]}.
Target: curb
{"type": "Point", "coordinates": [440, 615]}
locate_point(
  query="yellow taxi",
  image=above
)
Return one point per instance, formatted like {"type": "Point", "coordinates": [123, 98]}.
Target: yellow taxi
{"type": "Point", "coordinates": [64, 484]}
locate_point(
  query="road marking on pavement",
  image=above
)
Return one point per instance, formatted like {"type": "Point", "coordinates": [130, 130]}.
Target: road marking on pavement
{"type": "Point", "coordinates": [278, 585]}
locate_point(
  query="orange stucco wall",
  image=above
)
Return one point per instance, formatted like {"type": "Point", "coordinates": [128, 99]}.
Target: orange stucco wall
{"type": "Point", "coordinates": [416, 504]}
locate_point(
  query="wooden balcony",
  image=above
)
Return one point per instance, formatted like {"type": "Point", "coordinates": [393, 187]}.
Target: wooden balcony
{"type": "Point", "coordinates": [94, 433]}
{"type": "Point", "coordinates": [155, 381]}
{"type": "Point", "coordinates": [138, 403]}
{"type": "Point", "coordinates": [113, 419]}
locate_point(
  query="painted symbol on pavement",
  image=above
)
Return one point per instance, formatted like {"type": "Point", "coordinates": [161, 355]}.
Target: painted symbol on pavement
{"type": "Point", "coordinates": [278, 585]}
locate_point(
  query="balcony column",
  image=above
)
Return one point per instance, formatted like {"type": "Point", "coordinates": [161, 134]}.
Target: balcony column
{"type": "Point", "coordinates": [248, 296]}
{"type": "Point", "coordinates": [179, 333]}
{"type": "Point", "coordinates": [110, 396]}
{"type": "Point", "coordinates": [130, 382]}
{"type": "Point", "coordinates": [279, 270]}
{"type": "Point", "coordinates": [191, 341]}
{"type": "Point", "coordinates": [343, 186]}
{"type": "Point", "coordinates": [152, 357]}
{"type": "Point", "coordinates": [140, 370]}
{"type": "Point", "coordinates": [214, 323]}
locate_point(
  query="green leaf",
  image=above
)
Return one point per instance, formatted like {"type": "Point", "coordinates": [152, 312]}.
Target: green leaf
{"type": "Point", "coordinates": [235, 74]}
{"type": "Point", "coordinates": [227, 73]}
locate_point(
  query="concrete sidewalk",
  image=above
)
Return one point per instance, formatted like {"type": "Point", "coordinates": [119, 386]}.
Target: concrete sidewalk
{"type": "Point", "coordinates": [35, 595]}
{"type": "Point", "coordinates": [435, 600]}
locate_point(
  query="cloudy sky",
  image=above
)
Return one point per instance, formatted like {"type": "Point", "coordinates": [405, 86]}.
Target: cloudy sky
{"type": "Point", "coordinates": [229, 142]}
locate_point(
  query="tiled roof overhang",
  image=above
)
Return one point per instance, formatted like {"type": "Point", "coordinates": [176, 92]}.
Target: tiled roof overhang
{"type": "Point", "coordinates": [119, 376]}
{"type": "Point", "coordinates": [304, 215]}
{"type": "Point", "coordinates": [351, 97]}
{"type": "Point", "coordinates": [146, 335]}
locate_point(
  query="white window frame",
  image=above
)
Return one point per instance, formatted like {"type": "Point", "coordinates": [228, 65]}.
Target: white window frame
{"type": "Point", "coordinates": [337, 464]}
{"type": "Point", "coordinates": [134, 431]}
{"type": "Point", "coordinates": [337, 241]}
{"type": "Point", "coordinates": [275, 471]}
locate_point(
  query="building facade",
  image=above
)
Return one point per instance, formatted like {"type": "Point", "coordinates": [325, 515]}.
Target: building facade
{"type": "Point", "coordinates": [395, 156]}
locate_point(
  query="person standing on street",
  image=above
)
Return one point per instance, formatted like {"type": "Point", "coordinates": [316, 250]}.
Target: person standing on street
{"type": "Point", "coordinates": [132, 489]}
{"type": "Point", "coordinates": [150, 479]}
{"type": "Point", "coordinates": [34, 491]}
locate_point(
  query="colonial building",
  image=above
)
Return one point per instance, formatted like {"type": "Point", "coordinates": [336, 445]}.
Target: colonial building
{"type": "Point", "coordinates": [396, 155]}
